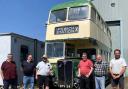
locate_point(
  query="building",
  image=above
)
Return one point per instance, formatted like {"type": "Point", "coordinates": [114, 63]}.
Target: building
{"type": "Point", "coordinates": [114, 12]}
{"type": "Point", "coordinates": [19, 46]}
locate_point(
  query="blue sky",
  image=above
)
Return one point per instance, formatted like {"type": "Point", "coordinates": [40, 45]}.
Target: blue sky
{"type": "Point", "coordinates": [25, 17]}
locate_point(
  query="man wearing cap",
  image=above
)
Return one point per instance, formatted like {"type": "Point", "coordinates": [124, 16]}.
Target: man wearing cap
{"type": "Point", "coordinates": [43, 70]}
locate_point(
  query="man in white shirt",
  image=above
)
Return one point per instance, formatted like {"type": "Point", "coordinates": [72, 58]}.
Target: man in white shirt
{"type": "Point", "coordinates": [43, 72]}
{"type": "Point", "coordinates": [117, 69]}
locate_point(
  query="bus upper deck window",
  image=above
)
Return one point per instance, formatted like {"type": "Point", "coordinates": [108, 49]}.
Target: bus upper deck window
{"type": "Point", "coordinates": [78, 13]}
{"type": "Point", "coordinates": [58, 16]}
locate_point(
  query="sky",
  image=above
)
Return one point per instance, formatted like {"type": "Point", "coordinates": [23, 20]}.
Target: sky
{"type": "Point", "coordinates": [26, 17]}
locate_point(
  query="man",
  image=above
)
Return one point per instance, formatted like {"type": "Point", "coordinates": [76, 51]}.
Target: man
{"type": "Point", "coordinates": [9, 73]}
{"type": "Point", "coordinates": [43, 72]}
{"type": "Point", "coordinates": [28, 71]}
{"type": "Point", "coordinates": [117, 69]}
{"type": "Point", "coordinates": [101, 69]}
{"type": "Point", "coordinates": [85, 69]}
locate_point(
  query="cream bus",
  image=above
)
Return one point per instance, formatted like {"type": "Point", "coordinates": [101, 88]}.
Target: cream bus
{"type": "Point", "coordinates": [73, 28]}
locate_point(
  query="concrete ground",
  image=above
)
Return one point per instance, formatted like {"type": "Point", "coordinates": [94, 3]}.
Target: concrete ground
{"type": "Point", "coordinates": [126, 84]}
{"type": "Point", "coordinates": [108, 87]}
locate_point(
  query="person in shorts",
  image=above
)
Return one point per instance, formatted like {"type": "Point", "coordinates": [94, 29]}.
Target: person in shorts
{"type": "Point", "coordinates": [117, 70]}
{"type": "Point", "coordinates": [43, 71]}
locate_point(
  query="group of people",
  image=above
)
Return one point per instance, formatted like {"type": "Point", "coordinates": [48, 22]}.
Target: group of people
{"type": "Point", "coordinates": [41, 72]}
{"type": "Point", "coordinates": [43, 69]}
{"type": "Point", "coordinates": [116, 68]}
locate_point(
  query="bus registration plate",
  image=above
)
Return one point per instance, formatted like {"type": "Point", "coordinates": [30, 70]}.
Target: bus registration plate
{"type": "Point", "coordinates": [66, 29]}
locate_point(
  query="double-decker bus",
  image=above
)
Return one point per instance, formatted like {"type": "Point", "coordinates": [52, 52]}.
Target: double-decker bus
{"type": "Point", "coordinates": [75, 27]}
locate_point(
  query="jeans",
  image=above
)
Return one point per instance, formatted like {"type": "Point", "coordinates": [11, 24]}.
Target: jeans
{"type": "Point", "coordinates": [28, 80]}
{"type": "Point", "coordinates": [12, 82]}
{"type": "Point", "coordinates": [100, 82]}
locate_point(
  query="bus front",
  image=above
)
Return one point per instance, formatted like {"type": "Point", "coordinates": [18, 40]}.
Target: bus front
{"type": "Point", "coordinates": [65, 31]}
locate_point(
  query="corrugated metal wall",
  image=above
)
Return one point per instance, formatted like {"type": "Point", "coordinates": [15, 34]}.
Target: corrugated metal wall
{"type": "Point", "coordinates": [112, 10]}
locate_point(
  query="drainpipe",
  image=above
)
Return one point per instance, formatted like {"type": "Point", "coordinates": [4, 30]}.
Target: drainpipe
{"type": "Point", "coordinates": [121, 34]}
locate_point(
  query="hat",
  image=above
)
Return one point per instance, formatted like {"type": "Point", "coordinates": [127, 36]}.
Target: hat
{"type": "Point", "coordinates": [44, 56]}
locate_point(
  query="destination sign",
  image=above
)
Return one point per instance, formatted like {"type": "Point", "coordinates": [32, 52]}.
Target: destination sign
{"type": "Point", "coordinates": [66, 29]}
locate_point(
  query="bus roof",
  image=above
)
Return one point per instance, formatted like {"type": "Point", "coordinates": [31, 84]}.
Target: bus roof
{"type": "Point", "coordinates": [71, 4]}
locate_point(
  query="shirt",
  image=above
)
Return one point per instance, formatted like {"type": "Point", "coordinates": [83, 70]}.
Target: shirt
{"type": "Point", "coordinates": [101, 68]}
{"type": "Point", "coordinates": [43, 68]}
{"type": "Point", "coordinates": [28, 68]}
{"type": "Point", "coordinates": [9, 70]}
{"type": "Point", "coordinates": [117, 64]}
{"type": "Point", "coordinates": [85, 66]}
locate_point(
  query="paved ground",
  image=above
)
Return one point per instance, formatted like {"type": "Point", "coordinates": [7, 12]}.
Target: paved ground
{"type": "Point", "coordinates": [126, 84]}
{"type": "Point", "coordinates": [109, 86]}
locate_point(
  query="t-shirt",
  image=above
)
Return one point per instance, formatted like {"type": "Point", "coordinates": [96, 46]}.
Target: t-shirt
{"type": "Point", "coordinates": [85, 66]}
{"type": "Point", "coordinates": [9, 70]}
{"type": "Point", "coordinates": [117, 64]}
{"type": "Point", "coordinates": [43, 68]}
{"type": "Point", "coordinates": [28, 68]}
